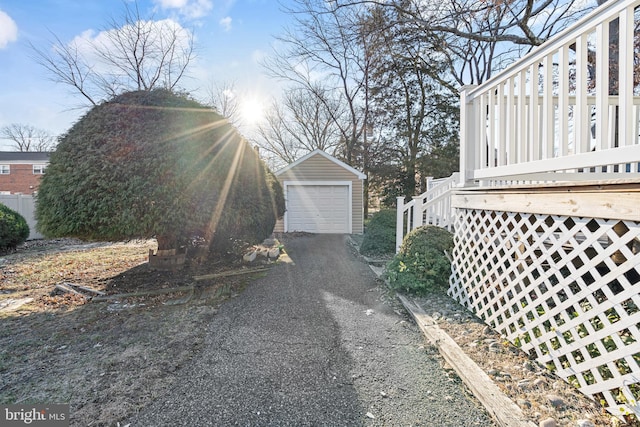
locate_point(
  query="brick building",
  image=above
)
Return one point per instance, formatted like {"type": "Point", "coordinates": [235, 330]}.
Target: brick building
{"type": "Point", "coordinates": [20, 172]}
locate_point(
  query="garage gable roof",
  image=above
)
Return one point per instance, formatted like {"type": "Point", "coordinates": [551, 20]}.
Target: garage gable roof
{"type": "Point", "coordinates": [357, 173]}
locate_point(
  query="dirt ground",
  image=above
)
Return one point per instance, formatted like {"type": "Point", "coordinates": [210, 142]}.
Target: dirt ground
{"type": "Point", "coordinates": [106, 358]}
{"type": "Point", "coordinates": [539, 393]}
{"type": "Point", "coordinates": [111, 357]}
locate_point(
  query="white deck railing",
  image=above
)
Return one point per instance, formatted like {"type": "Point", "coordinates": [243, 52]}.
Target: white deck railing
{"type": "Point", "coordinates": [565, 112]}
{"type": "Point", "coordinates": [433, 207]}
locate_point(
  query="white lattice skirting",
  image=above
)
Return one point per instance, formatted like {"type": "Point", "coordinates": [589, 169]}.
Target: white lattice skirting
{"type": "Point", "coordinates": [564, 289]}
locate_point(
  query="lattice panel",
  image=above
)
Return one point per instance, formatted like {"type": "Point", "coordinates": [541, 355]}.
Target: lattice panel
{"type": "Point", "coordinates": [564, 289]}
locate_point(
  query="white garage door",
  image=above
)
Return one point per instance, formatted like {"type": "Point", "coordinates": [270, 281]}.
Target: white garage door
{"type": "Point", "coordinates": [318, 208]}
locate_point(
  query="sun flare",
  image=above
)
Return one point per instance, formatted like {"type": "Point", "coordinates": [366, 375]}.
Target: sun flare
{"type": "Point", "coordinates": [252, 111]}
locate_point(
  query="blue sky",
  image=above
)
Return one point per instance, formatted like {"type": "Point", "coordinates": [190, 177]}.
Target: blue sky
{"type": "Point", "coordinates": [230, 35]}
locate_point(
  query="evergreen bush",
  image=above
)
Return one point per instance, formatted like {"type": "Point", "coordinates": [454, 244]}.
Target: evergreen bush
{"type": "Point", "coordinates": [421, 265]}
{"type": "Point", "coordinates": [380, 234]}
{"type": "Point", "coordinates": [14, 229]}
{"type": "Point", "coordinates": [157, 164]}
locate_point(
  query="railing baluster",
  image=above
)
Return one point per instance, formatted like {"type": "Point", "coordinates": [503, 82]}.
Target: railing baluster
{"type": "Point", "coordinates": [602, 86]}
{"type": "Point", "coordinates": [547, 109]}
{"type": "Point", "coordinates": [626, 135]}
{"type": "Point", "coordinates": [501, 123]}
{"type": "Point", "coordinates": [522, 116]}
{"type": "Point", "coordinates": [511, 126]}
{"type": "Point", "coordinates": [563, 101]}
{"type": "Point", "coordinates": [491, 129]}
{"type": "Point", "coordinates": [581, 110]}
{"type": "Point", "coordinates": [532, 151]}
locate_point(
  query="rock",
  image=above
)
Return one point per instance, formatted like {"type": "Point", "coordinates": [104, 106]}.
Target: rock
{"type": "Point", "coordinates": [487, 330]}
{"type": "Point", "coordinates": [269, 241]}
{"type": "Point", "coordinates": [250, 257]}
{"type": "Point", "coordinates": [549, 422]}
{"type": "Point", "coordinates": [524, 384]}
{"type": "Point", "coordinates": [556, 401]}
{"type": "Point", "coordinates": [274, 253]}
{"type": "Point", "coordinates": [370, 415]}
{"type": "Point", "coordinates": [495, 347]}
{"type": "Point", "coordinates": [529, 366]}
{"type": "Point", "coordinates": [524, 403]}
{"type": "Point", "coordinates": [539, 382]}
{"type": "Point", "coordinates": [493, 372]}
{"type": "Point", "coordinates": [585, 423]}
{"type": "Point", "coordinates": [436, 315]}
{"type": "Point", "coordinates": [383, 394]}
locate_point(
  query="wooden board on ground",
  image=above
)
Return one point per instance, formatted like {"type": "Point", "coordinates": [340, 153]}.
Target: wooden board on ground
{"type": "Point", "coordinates": [504, 411]}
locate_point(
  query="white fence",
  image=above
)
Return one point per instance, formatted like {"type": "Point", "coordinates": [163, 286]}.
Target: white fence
{"type": "Point", "coordinates": [432, 207]}
{"type": "Point", "coordinates": [25, 206]}
{"type": "Point", "coordinates": [565, 112]}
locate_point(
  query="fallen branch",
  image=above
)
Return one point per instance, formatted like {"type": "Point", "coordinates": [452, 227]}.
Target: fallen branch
{"type": "Point", "coordinates": [142, 293]}
{"type": "Point", "coordinates": [231, 273]}
{"type": "Point", "coordinates": [84, 289]}
{"type": "Point", "coordinates": [64, 288]}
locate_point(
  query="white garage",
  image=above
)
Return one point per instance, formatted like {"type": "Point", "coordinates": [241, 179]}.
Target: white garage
{"type": "Point", "coordinates": [323, 195]}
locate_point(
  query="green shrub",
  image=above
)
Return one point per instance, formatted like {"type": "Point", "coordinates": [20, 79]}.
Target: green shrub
{"type": "Point", "coordinates": [13, 229]}
{"type": "Point", "coordinates": [380, 234]}
{"type": "Point", "coordinates": [157, 164]}
{"type": "Point", "coordinates": [421, 266]}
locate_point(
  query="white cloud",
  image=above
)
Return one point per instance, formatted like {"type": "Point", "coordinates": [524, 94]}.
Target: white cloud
{"type": "Point", "coordinates": [8, 30]}
{"type": "Point", "coordinates": [225, 23]}
{"type": "Point", "coordinates": [192, 9]}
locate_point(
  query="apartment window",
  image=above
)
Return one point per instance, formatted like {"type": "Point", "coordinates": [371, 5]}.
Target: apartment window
{"type": "Point", "coordinates": [5, 170]}
{"type": "Point", "coordinates": [38, 169]}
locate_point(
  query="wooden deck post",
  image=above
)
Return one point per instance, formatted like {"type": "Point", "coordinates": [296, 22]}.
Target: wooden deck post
{"type": "Point", "coordinates": [467, 146]}
{"type": "Point", "coordinates": [399, 222]}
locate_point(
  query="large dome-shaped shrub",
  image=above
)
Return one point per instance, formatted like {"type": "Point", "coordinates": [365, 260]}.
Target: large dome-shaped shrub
{"type": "Point", "coordinates": [156, 164]}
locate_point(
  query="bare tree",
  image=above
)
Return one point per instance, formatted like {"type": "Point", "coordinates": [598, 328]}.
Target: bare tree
{"type": "Point", "coordinates": [323, 55]}
{"type": "Point", "coordinates": [25, 137]}
{"type": "Point", "coordinates": [298, 124]}
{"type": "Point", "coordinates": [130, 54]}
{"type": "Point", "coordinates": [478, 37]}
{"type": "Point", "coordinates": [223, 99]}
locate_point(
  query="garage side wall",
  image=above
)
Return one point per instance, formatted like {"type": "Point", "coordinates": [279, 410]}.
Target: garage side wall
{"type": "Point", "coordinates": [318, 168]}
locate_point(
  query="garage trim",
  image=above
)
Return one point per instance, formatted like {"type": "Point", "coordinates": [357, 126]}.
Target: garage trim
{"type": "Point", "coordinates": [349, 184]}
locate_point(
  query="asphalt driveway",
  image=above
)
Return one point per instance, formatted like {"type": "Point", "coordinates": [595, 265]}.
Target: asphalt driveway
{"type": "Point", "coordinates": [313, 344]}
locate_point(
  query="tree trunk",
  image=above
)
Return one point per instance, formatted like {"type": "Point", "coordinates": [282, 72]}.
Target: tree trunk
{"type": "Point", "coordinates": [167, 245]}
{"type": "Point", "coordinates": [168, 256]}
